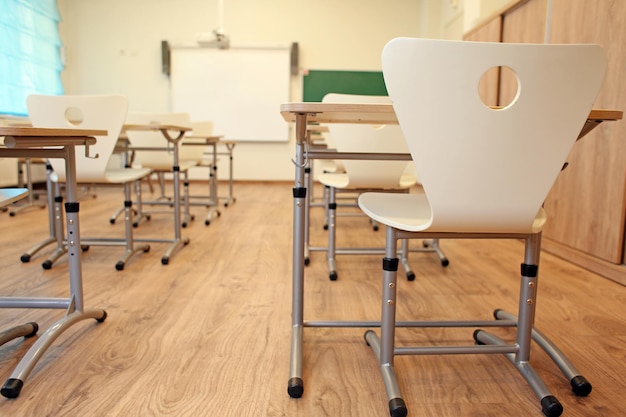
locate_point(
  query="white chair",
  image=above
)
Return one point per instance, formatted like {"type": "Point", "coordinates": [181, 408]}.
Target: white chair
{"type": "Point", "coordinates": [160, 157]}
{"type": "Point", "coordinates": [485, 172]}
{"type": "Point", "coordinates": [361, 175]}
{"type": "Point", "coordinates": [106, 112]}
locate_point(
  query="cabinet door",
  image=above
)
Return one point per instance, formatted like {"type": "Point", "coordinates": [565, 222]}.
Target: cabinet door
{"type": "Point", "coordinates": [523, 24]}
{"type": "Point", "coordinates": [587, 206]}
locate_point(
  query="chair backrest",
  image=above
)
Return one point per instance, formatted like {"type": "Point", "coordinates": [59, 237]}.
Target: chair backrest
{"type": "Point", "coordinates": [194, 152]}
{"type": "Point", "coordinates": [146, 139]}
{"type": "Point", "coordinates": [370, 139]}
{"type": "Point", "coordinates": [106, 112]}
{"type": "Point", "coordinates": [482, 168]}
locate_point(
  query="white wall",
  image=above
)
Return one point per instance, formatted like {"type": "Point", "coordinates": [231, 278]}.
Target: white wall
{"type": "Point", "coordinates": [113, 46]}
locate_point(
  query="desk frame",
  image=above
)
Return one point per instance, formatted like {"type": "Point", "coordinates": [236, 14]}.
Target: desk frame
{"type": "Point", "coordinates": [178, 241]}
{"type": "Point", "coordinates": [58, 143]}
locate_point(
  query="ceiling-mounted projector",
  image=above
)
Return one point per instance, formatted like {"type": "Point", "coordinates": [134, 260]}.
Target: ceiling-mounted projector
{"type": "Point", "coordinates": [217, 38]}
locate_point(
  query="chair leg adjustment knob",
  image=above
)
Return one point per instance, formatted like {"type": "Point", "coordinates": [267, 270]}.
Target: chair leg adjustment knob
{"type": "Point", "coordinates": [295, 387]}
{"type": "Point", "coordinates": [12, 388]}
{"type": "Point", "coordinates": [397, 407]}
{"type": "Point", "coordinates": [580, 386]}
{"type": "Point", "coordinates": [550, 406]}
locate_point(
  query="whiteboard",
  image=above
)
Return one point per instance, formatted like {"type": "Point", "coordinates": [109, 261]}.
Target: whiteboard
{"type": "Point", "coordinates": [239, 89]}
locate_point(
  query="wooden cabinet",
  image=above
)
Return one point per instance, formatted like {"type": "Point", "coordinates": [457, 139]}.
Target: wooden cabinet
{"type": "Point", "coordinates": [587, 206]}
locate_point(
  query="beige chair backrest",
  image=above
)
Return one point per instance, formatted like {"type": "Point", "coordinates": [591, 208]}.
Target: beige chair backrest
{"type": "Point", "coordinates": [161, 160]}
{"type": "Point", "coordinates": [105, 112]}
{"type": "Point", "coordinates": [194, 152]}
{"type": "Point", "coordinates": [486, 169]}
{"type": "Point", "coordinates": [370, 139]}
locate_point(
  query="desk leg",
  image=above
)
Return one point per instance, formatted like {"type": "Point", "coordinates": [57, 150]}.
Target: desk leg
{"type": "Point", "coordinates": [295, 386]}
{"type": "Point", "coordinates": [213, 198]}
{"type": "Point", "coordinates": [52, 238]}
{"type": "Point", "coordinates": [178, 240]}
{"type": "Point", "coordinates": [230, 199]}
{"type": "Point", "coordinates": [308, 178]}
{"type": "Point", "coordinates": [75, 313]}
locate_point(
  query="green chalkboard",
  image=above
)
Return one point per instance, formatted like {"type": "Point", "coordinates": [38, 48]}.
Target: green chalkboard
{"type": "Point", "coordinates": [317, 83]}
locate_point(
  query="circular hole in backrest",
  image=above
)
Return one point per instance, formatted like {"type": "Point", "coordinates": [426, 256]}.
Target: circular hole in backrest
{"type": "Point", "coordinates": [74, 116]}
{"type": "Point", "coordinates": [498, 87]}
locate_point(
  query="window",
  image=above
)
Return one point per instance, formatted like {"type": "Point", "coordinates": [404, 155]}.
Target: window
{"type": "Point", "coordinates": [30, 60]}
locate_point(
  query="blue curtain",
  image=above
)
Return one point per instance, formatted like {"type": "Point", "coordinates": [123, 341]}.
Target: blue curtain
{"type": "Point", "coordinates": [30, 60]}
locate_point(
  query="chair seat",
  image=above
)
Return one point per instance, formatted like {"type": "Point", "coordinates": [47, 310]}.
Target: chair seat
{"type": "Point", "coordinates": [341, 180]}
{"type": "Point", "coordinates": [123, 175]}
{"type": "Point", "coordinates": [166, 166]}
{"type": "Point", "coordinates": [412, 213]}
{"type": "Point", "coordinates": [111, 176]}
{"type": "Point", "coordinates": [330, 166]}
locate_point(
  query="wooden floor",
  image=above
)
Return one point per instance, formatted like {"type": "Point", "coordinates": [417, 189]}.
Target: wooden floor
{"type": "Point", "coordinates": [209, 334]}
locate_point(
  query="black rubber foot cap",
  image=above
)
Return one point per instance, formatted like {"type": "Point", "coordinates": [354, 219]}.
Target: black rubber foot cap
{"type": "Point", "coordinates": [551, 407]}
{"type": "Point", "coordinates": [410, 276]}
{"type": "Point", "coordinates": [35, 327]}
{"type": "Point", "coordinates": [445, 262]}
{"type": "Point", "coordinates": [12, 388]}
{"type": "Point", "coordinates": [580, 386]}
{"type": "Point", "coordinates": [333, 276]}
{"type": "Point", "coordinates": [295, 387]}
{"type": "Point", "coordinates": [46, 264]}
{"type": "Point", "coordinates": [103, 318]}
{"type": "Point", "coordinates": [25, 258]}
{"type": "Point", "coordinates": [476, 339]}
{"type": "Point", "coordinates": [119, 266]}
{"type": "Point", "coordinates": [397, 407]}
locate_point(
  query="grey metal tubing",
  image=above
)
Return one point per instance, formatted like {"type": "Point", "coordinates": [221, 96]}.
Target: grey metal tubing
{"type": "Point", "coordinates": [528, 299]}
{"type": "Point", "coordinates": [51, 227]}
{"type": "Point", "coordinates": [332, 230]}
{"type": "Point", "coordinates": [295, 363]}
{"type": "Point", "coordinates": [97, 241]}
{"type": "Point", "coordinates": [415, 324]}
{"type": "Point", "coordinates": [34, 302]}
{"type": "Point", "coordinates": [26, 365]}
{"type": "Point", "coordinates": [317, 154]}
{"type": "Point", "coordinates": [18, 331]}
{"type": "Point", "coordinates": [559, 358]}
{"type": "Point", "coordinates": [388, 309]}
{"type": "Point", "coordinates": [363, 251]}
{"type": "Point", "coordinates": [392, 388]}
{"type": "Point", "coordinates": [299, 219]}
{"type": "Point", "coordinates": [455, 350]}
{"type": "Point", "coordinates": [524, 367]}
